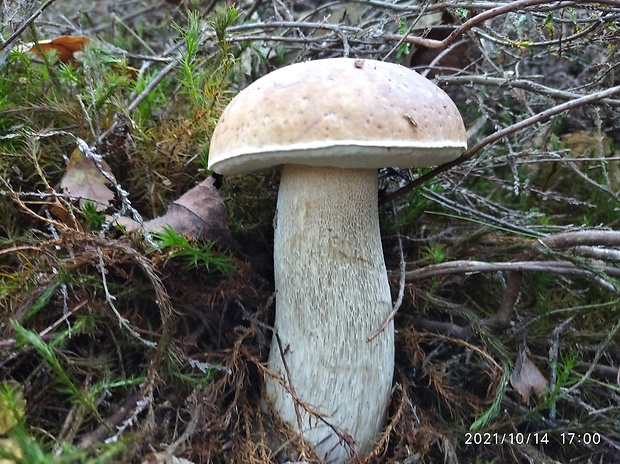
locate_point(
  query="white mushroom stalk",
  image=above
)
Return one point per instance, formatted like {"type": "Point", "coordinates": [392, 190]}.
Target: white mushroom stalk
{"type": "Point", "coordinates": [332, 292]}
{"type": "Point", "coordinates": [332, 123]}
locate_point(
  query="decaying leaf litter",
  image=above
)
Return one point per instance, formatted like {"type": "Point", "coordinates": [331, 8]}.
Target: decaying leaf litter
{"type": "Point", "coordinates": [116, 349]}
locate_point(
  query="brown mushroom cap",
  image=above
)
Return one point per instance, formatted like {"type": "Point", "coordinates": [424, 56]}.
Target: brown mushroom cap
{"type": "Point", "coordinates": [338, 112]}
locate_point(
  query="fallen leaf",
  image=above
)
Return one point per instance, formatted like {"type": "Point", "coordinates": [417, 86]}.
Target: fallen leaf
{"type": "Point", "coordinates": [526, 378]}
{"type": "Point", "coordinates": [65, 46]}
{"type": "Point", "coordinates": [85, 182]}
{"type": "Point", "coordinates": [587, 144]}
{"type": "Point", "coordinates": [59, 211]}
{"type": "Point", "coordinates": [199, 213]}
{"type": "Point", "coordinates": [584, 144]}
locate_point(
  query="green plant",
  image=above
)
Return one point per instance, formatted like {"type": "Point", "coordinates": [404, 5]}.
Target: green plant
{"type": "Point", "coordinates": [564, 372]}
{"type": "Point", "coordinates": [94, 218]}
{"type": "Point", "coordinates": [25, 448]}
{"type": "Point", "coordinates": [46, 351]}
{"type": "Point", "coordinates": [194, 253]}
{"type": "Point", "coordinates": [565, 375]}
{"type": "Point", "coordinates": [487, 416]}
{"type": "Point", "coordinates": [201, 84]}
{"type": "Point", "coordinates": [404, 47]}
{"type": "Point", "coordinates": [436, 253]}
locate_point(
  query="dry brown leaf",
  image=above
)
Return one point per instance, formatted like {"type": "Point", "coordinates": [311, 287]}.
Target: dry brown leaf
{"type": "Point", "coordinates": [526, 378]}
{"type": "Point", "coordinates": [85, 182]}
{"type": "Point", "coordinates": [587, 144]}
{"type": "Point", "coordinates": [199, 213]}
{"type": "Point", "coordinates": [584, 144]}
{"type": "Point", "coordinates": [65, 46]}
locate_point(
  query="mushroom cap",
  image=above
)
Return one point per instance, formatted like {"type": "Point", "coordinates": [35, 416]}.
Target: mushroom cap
{"type": "Point", "coordinates": [338, 112]}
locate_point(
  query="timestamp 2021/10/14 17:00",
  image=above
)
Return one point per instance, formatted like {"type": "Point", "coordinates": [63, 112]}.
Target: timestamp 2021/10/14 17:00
{"type": "Point", "coordinates": [535, 438]}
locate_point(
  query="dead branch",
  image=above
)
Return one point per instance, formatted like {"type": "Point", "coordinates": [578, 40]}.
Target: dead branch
{"type": "Point", "coordinates": [467, 25]}
{"type": "Point", "coordinates": [475, 267]}
{"type": "Point", "coordinates": [401, 286]}
{"type": "Point", "coordinates": [5, 46]}
{"type": "Point", "coordinates": [501, 319]}
{"type": "Point", "coordinates": [519, 83]}
{"type": "Point", "coordinates": [489, 140]}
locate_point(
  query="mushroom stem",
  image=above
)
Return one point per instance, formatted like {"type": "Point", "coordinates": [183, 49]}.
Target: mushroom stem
{"type": "Point", "coordinates": [331, 293]}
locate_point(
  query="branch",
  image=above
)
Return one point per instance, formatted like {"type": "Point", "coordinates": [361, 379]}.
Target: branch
{"type": "Point", "coordinates": [467, 25]}
{"type": "Point", "coordinates": [401, 287]}
{"type": "Point", "coordinates": [520, 84]}
{"type": "Point", "coordinates": [578, 241]}
{"type": "Point", "coordinates": [5, 45]}
{"type": "Point", "coordinates": [338, 30]}
{"type": "Point", "coordinates": [475, 267]}
{"type": "Point", "coordinates": [501, 319]}
{"type": "Point", "coordinates": [565, 240]}
{"type": "Point", "coordinates": [544, 115]}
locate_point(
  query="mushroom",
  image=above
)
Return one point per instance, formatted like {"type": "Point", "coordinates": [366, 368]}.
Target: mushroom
{"type": "Point", "coordinates": [331, 124]}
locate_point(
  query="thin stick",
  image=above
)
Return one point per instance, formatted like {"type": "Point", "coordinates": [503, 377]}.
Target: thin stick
{"type": "Point", "coordinates": [289, 382]}
{"type": "Point", "coordinates": [570, 105]}
{"type": "Point", "coordinates": [475, 267]}
{"type": "Point", "coordinates": [472, 22]}
{"type": "Point", "coordinates": [20, 29]}
{"type": "Point", "coordinates": [401, 286]}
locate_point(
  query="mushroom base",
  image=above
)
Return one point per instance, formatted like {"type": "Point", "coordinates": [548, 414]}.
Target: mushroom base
{"type": "Point", "coordinates": [332, 292]}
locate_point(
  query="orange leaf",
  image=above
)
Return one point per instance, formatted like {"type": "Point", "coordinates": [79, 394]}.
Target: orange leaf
{"type": "Point", "coordinates": [58, 211]}
{"type": "Point", "coordinates": [65, 46]}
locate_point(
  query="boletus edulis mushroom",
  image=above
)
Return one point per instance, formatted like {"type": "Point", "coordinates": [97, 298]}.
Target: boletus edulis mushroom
{"type": "Point", "coordinates": [331, 124]}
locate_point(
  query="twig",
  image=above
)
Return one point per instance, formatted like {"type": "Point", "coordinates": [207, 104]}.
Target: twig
{"type": "Point", "coordinates": [338, 30]}
{"type": "Point", "coordinates": [572, 104]}
{"type": "Point", "coordinates": [520, 84]}
{"type": "Point", "coordinates": [545, 43]}
{"type": "Point", "coordinates": [289, 384]}
{"type": "Point", "coordinates": [429, 67]}
{"type": "Point", "coordinates": [401, 286]}
{"type": "Point", "coordinates": [140, 98]}
{"type": "Point", "coordinates": [578, 238]}
{"type": "Point", "coordinates": [45, 334]}
{"type": "Point", "coordinates": [475, 267]}
{"type": "Point", "coordinates": [501, 319]}
{"type": "Point", "coordinates": [471, 212]}
{"type": "Point", "coordinates": [111, 422]}
{"type": "Point", "coordinates": [553, 361]}
{"type": "Point", "coordinates": [475, 21]}
{"type": "Point", "coordinates": [190, 430]}
{"type": "Point", "coordinates": [110, 299]}
{"type": "Point", "coordinates": [601, 349]}
{"type": "Point", "coordinates": [5, 45]}
{"type": "Point", "coordinates": [449, 329]}
{"type": "Point", "coordinates": [90, 152]}
{"type": "Point", "coordinates": [402, 39]}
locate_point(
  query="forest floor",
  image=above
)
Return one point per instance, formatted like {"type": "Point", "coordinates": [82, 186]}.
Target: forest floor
{"type": "Point", "coordinates": [136, 287]}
